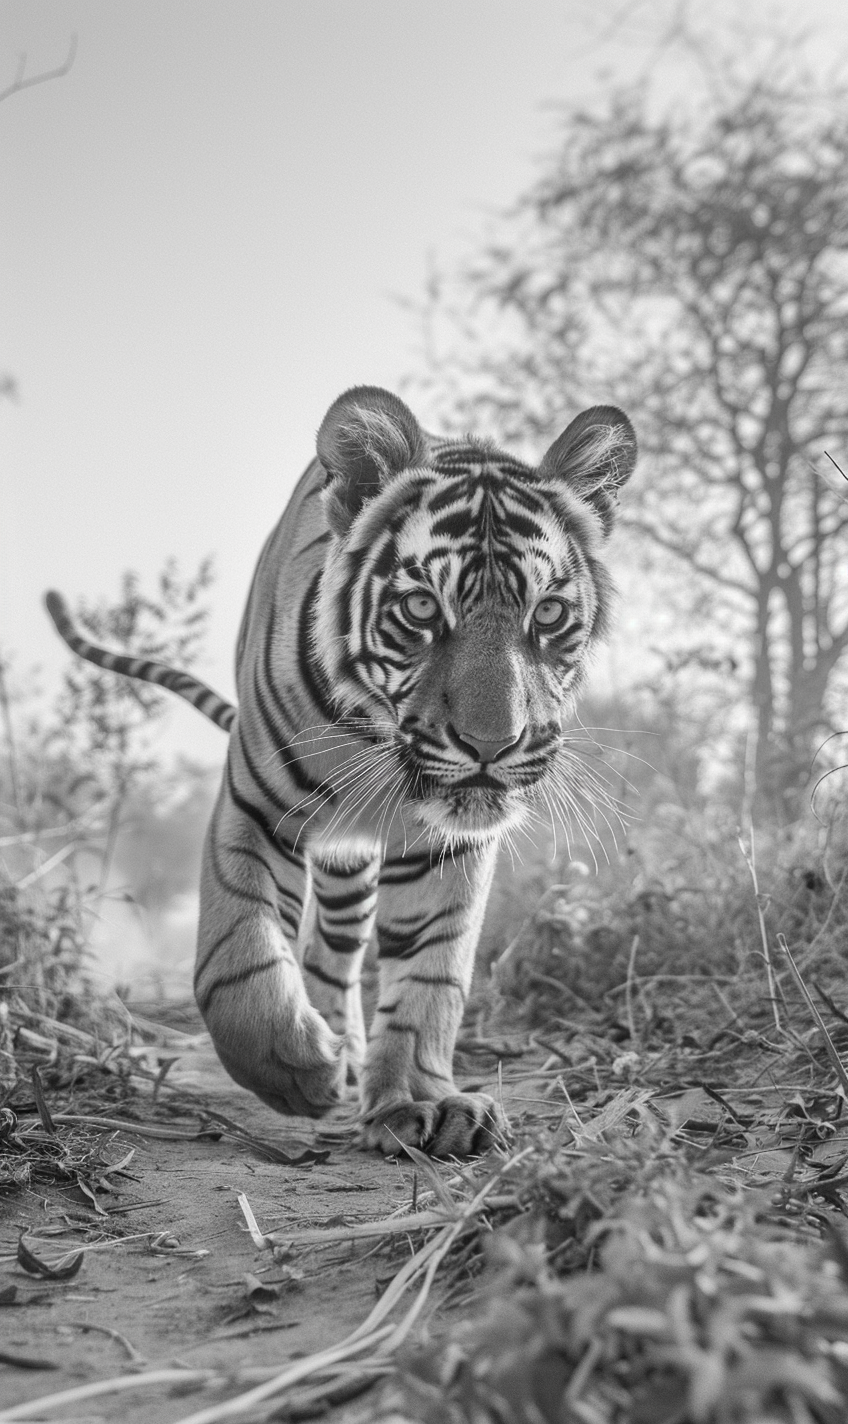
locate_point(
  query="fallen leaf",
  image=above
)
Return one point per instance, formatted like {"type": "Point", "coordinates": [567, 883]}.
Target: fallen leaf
{"type": "Point", "coordinates": [26, 1362]}
{"type": "Point", "coordinates": [35, 1267]}
{"type": "Point", "coordinates": [88, 1190]}
{"type": "Point", "coordinates": [305, 1157]}
{"type": "Point", "coordinates": [257, 1290]}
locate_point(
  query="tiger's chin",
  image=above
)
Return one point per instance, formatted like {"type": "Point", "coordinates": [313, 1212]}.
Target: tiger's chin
{"type": "Point", "coordinates": [475, 814]}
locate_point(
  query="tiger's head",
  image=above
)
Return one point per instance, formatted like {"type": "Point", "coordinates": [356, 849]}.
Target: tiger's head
{"type": "Point", "coordinates": [461, 598]}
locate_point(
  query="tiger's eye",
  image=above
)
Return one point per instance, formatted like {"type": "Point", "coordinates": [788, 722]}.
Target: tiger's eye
{"type": "Point", "coordinates": [549, 613]}
{"type": "Point", "coordinates": [420, 607]}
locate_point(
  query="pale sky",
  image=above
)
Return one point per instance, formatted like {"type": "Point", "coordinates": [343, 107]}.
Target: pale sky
{"type": "Point", "coordinates": [204, 232]}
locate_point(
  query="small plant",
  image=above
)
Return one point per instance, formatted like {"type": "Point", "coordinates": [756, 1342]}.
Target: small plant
{"type": "Point", "coordinates": [68, 779]}
{"type": "Point", "coordinates": [691, 1315]}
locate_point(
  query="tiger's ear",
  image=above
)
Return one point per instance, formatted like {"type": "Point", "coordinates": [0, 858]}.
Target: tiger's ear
{"type": "Point", "coordinates": [366, 438]}
{"type": "Point", "coordinates": [595, 456]}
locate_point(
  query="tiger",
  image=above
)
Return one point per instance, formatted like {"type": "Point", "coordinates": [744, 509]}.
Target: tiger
{"type": "Point", "coordinates": [418, 629]}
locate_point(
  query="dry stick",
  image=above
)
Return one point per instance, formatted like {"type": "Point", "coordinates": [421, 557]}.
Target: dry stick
{"type": "Point", "coordinates": [830, 1047]}
{"type": "Point", "coordinates": [139, 1129]}
{"type": "Point", "coordinates": [36, 1407]}
{"type": "Point", "coordinates": [170, 1376]}
{"type": "Point", "coordinates": [74, 823]}
{"type": "Point", "coordinates": [46, 866]}
{"type": "Point", "coordinates": [84, 1325]}
{"type": "Point", "coordinates": [60, 1030]}
{"type": "Point", "coordinates": [750, 861]}
{"type": "Point", "coordinates": [247, 1211]}
{"type": "Point", "coordinates": [329, 1235]}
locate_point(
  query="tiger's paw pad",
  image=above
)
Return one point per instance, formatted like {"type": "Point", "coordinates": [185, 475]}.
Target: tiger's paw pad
{"type": "Point", "coordinates": [460, 1126]}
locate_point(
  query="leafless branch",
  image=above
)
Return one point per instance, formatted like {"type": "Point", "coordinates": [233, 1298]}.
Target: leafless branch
{"type": "Point", "coordinates": [20, 80]}
{"type": "Point", "coordinates": [680, 552]}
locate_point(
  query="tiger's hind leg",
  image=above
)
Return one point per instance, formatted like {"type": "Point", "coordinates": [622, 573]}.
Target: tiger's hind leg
{"type": "Point", "coordinates": [248, 982]}
{"type": "Point", "coordinates": [346, 903]}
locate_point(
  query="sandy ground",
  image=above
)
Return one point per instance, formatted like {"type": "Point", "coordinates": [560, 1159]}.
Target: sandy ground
{"type": "Point", "coordinates": [187, 1301]}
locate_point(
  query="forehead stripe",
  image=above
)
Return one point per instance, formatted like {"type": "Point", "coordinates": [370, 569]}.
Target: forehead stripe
{"type": "Point", "coordinates": [520, 527]}
{"type": "Point", "coordinates": [444, 498]}
{"type": "Point", "coordinates": [454, 525]}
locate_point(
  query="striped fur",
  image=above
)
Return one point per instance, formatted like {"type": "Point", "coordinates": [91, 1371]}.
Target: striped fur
{"type": "Point", "coordinates": [418, 625]}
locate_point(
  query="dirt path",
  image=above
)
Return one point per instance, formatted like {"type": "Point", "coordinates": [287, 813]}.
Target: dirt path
{"type": "Point", "coordinates": [187, 1301]}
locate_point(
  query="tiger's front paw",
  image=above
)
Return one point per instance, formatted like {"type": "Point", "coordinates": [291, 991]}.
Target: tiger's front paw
{"type": "Point", "coordinates": [297, 1066]}
{"type": "Point", "coordinates": [460, 1126]}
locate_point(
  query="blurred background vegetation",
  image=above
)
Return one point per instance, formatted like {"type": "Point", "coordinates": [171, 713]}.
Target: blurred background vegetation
{"type": "Point", "coordinates": [687, 260]}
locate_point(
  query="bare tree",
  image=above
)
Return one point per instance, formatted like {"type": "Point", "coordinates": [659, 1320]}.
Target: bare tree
{"type": "Point", "coordinates": [694, 267]}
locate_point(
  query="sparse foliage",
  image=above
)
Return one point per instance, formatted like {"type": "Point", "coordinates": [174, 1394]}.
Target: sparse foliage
{"type": "Point", "coordinates": [72, 777]}
{"type": "Point", "coordinates": [692, 266]}
{"type": "Point", "coordinates": [105, 722]}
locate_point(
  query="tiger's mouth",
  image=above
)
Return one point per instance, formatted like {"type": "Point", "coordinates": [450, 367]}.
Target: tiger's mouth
{"type": "Point", "coordinates": [479, 801]}
{"type": "Point", "coordinates": [425, 785]}
{"type": "Point", "coordinates": [429, 786]}
{"type": "Point", "coordinates": [480, 780]}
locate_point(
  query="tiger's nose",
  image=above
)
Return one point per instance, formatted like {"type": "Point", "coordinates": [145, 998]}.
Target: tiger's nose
{"type": "Point", "coordinates": [485, 750]}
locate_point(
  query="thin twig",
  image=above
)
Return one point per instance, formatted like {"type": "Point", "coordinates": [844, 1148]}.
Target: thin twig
{"type": "Point", "coordinates": [259, 1241]}
{"type": "Point", "coordinates": [20, 82]}
{"type": "Point", "coordinates": [36, 1407]}
{"type": "Point", "coordinates": [750, 861]}
{"type": "Point", "coordinates": [327, 1235]}
{"type": "Point", "coordinates": [86, 1325]}
{"type": "Point", "coordinates": [39, 833]}
{"type": "Point", "coordinates": [46, 866]}
{"type": "Point", "coordinates": [140, 1129]}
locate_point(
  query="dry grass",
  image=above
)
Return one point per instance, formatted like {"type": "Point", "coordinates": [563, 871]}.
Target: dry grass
{"type": "Point", "coordinates": [663, 1240]}
{"type": "Point", "coordinates": [673, 1249]}
{"type": "Point", "coordinates": [65, 1043]}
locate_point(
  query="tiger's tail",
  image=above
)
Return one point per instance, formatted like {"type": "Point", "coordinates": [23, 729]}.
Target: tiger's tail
{"type": "Point", "coordinates": [219, 711]}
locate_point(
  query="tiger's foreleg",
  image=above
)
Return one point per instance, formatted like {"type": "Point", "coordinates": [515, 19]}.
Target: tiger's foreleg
{"type": "Point", "coordinates": [345, 906]}
{"type": "Point", "coordinates": [428, 924]}
{"type": "Point", "coordinates": [248, 983]}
